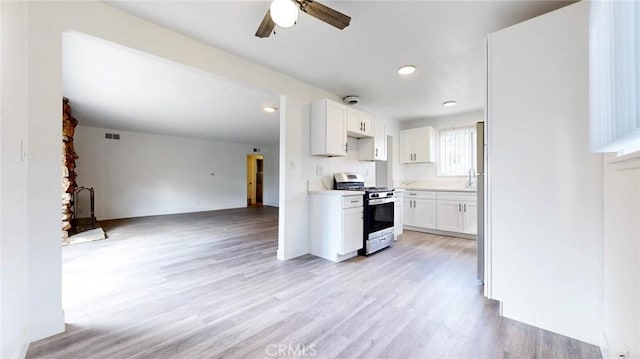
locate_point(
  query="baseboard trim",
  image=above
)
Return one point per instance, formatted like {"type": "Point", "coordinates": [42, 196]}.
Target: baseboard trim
{"type": "Point", "coordinates": [440, 233]}
{"type": "Point", "coordinates": [283, 256]}
{"type": "Point", "coordinates": [46, 328]}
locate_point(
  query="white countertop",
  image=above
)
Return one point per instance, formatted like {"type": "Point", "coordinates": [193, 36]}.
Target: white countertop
{"type": "Point", "coordinates": [335, 192]}
{"type": "Point", "coordinates": [439, 189]}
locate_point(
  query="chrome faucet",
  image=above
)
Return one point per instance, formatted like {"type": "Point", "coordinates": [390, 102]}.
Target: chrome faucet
{"type": "Point", "coordinates": [471, 177]}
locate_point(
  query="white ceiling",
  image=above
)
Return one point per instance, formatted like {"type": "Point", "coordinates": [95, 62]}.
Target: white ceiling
{"type": "Point", "coordinates": [115, 87]}
{"type": "Point", "coordinates": [444, 39]}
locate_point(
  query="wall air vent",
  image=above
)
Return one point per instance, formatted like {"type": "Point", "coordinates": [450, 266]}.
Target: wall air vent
{"type": "Point", "coordinates": [112, 136]}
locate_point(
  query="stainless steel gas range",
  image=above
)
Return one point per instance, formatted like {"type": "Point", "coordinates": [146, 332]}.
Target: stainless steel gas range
{"type": "Point", "coordinates": [378, 211]}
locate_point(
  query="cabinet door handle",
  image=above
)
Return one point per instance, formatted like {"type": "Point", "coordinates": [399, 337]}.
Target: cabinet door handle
{"type": "Point", "coordinates": [360, 126]}
{"type": "Point", "coordinates": [365, 126]}
{"type": "Point", "coordinates": [459, 207]}
{"type": "Point", "coordinates": [355, 201]}
{"type": "Point", "coordinates": [465, 207]}
{"type": "Point", "coordinates": [414, 203]}
{"type": "Point", "coordinates": [346, 147]}
{"type": "Point", "coordinates": [376, 155]}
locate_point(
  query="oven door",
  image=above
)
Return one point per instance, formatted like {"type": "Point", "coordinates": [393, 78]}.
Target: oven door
{"type": "Point", "coordinates": [379, 215]}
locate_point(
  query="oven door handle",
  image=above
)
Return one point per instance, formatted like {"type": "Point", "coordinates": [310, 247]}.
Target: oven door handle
{"type": "Point", "coordinates": [375, 202]}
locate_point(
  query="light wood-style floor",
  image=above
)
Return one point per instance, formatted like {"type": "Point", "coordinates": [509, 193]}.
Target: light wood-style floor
{"type": "Point", "coordinates": [208, 285]}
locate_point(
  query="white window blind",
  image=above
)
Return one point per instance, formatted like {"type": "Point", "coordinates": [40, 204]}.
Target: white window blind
{"type": "Point", "coordinates": [614, 66]}
{"type": "Point", "coordinates": [457, 151]}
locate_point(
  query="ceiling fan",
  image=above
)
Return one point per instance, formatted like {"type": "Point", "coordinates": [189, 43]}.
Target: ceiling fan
{"type": "Point", "coordinates": [284, 13]}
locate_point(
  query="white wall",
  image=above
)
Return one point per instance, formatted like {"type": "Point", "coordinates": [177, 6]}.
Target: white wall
{"type": "Point", "coordinates": [271, 176]}
{"type": "Point", "coordinates": [146, 174]}
{"type": "Point", "coordinates": [545, 195]}
{"type": "Point", "coordinates": [428, 172]}
{"type": "Point", "coordinates": [621, 255]}
{"type": "Point", "coordinates": [13, 244]}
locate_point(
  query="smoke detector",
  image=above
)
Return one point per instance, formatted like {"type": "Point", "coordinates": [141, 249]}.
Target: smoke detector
{"type": "Point", "coordinates": [351, 100]}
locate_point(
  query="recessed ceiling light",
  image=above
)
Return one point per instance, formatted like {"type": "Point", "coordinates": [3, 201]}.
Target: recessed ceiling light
{"type": "Point", "coordinates": [449, 103]}
{"type": "Point", "coordinates": [406, 70]}
{"type": "Point", "coordinates": [270, 109]}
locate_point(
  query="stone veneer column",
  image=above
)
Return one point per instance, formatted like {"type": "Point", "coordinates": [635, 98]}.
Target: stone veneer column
{"type": "Point", "coordinates": [69, 158]}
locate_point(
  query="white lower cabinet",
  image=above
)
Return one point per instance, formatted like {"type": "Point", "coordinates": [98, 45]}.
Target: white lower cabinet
{"type": "Point", "coordinates": [424, 213]}
{"type": "Point", "coordinates": [470, 217]}
{"type": "Point", "coordinates": [420, 209]}
{"type": "Point", "coordinates": [443, 211]}
{"type": "Point", "coordinates": [352, 227]}
{"type": "Point", "coordinates": [449, 216]}
{"type": "Point", "coordinates": [336, 225]}
{"type": "Point", "coordinates": [457, 212]}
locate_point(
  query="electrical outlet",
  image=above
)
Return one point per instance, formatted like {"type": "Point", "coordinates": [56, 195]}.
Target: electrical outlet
{"type": "Point", "coordinates": [319, 170]}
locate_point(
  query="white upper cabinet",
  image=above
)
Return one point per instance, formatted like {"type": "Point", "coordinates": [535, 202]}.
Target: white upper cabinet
{"type": "Point", "coordinates": [367, 124]}
{"type": "Point", "coordinates": [374, 149]}
{"type": "Point", "coordinates": [360, 124]}
{"type": "Point", "coordinates": [328, 128]}
{"type": "Point", "coordinates": [417, 145]}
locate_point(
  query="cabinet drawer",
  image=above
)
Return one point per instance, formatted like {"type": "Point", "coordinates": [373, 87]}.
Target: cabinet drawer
{"type": "Point", "coordinates": [420, 194]}
{"type": "Point", "coordinates": [458, 196]}
{"type": "Point", "coordinates": [352, 201]}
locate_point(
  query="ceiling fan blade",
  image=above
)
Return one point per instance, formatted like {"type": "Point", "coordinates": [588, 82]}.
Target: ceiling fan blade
{"type": "Point", "coordinates": [324, 13]}
{"type": "Point", "coordinates": [266, 26]}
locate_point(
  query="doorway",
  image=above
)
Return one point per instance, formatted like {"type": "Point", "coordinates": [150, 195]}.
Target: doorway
{"type": "Point", "coordinates": [255, 172]}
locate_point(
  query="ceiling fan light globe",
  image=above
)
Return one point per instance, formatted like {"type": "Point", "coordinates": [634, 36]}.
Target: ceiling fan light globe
{"type": "Point", "coordinates": [284, 13]}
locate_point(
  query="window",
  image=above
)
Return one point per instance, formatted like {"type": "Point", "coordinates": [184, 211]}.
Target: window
{"type": "Point", "coordinates": [457, 151]}
{"type": "Point", "coordinates": [614, 62]}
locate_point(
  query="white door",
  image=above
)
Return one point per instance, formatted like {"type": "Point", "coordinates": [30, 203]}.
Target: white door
{"type": "Point", "coordinates": [425, 213]}
{"type": "Point", "coordinates": [407, 212]}
{"type": "Point", "coordinates": [336, 135]}
{"type": "Point", "coordinates": [470, 217]}
{"type": "Point", "coordinates": [406, 146]}
{"type": "Point", "coordinates": [448, 216]}
{"type": "Point", "coordinates": [352, 236]}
